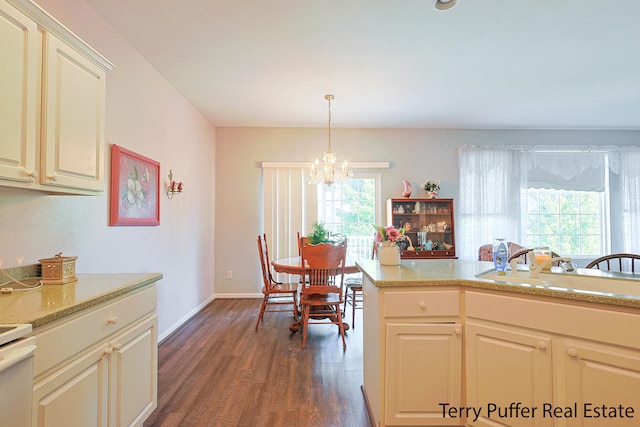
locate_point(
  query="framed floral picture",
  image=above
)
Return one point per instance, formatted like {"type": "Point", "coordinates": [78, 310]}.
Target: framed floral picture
{"type": "Point", "coordinates": [135, 188]}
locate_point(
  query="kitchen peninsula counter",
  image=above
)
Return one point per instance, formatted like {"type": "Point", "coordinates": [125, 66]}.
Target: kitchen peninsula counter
{"type": "Point", "coordinates": [437, 338]}
{"type": "Point", "coordinates": [52, 302]}
{"type": "Point", "coordinates": [463, 273]}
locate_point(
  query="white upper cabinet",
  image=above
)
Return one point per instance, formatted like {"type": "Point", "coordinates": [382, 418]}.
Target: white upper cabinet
{"type": "Point", "coordinates": [54, 109]}
{"type": "Point", "coordinates": [18, 93]}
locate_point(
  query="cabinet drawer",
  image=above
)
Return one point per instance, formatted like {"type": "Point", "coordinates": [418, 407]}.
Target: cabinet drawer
{"type": "Point", "coordinates": [67, 339]}
{"type": "Point", "coordinates": [421, 303]}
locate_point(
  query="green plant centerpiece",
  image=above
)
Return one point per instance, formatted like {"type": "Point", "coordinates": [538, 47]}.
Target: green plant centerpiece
{"type": "Point", "coordinates": [320, 234]}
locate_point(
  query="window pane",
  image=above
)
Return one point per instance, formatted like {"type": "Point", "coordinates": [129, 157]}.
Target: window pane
{"type": "Point", "coordinates": [350, 209]}
{"type": "Point", "coordinates": [568, 222]}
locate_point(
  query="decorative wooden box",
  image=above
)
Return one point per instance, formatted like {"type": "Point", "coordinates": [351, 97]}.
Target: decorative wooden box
{"type": "Point", "coordinates": [58, 270]}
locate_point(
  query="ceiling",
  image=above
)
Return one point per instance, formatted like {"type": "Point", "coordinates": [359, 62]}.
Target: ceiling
{"type": "Point", "coordinates": [484, 64]}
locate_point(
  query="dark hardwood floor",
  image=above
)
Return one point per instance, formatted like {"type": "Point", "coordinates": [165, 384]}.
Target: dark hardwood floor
{"type": "Point", "coordinates": [216, 370]}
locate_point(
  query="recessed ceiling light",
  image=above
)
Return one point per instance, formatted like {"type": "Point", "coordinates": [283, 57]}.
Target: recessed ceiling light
{"type": "Point", "coordinates": [445, 4]}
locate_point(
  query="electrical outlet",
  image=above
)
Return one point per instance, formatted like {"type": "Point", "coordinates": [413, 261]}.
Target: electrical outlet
{"type": "Point", "coordinates": [229, 274]}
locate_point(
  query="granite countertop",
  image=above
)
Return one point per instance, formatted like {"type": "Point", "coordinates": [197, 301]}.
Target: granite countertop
{"type": "Point", "coordinates": [583, 285]}
{"type": "Point", "coordinates": [52, 302]}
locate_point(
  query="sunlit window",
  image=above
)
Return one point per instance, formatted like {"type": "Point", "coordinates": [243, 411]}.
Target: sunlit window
{"type": "Point", "coordinates": [352, 209]}
{"type": "Point", "coordinates": [568, 222]}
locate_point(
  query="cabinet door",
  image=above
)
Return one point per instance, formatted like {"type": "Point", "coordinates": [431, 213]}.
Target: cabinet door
{"type": "Point", "coordinates": [506, 365]}
{"type": "Point", "coordinates": [595, 374]}
{"type": "Point", "coordinates": [134, 372]}
{"type": "Point", "coordinates": [73, 128]}
{"type": "Point", "coordinates": [74, 396]}
{"type": "Point", "coordinates": [18, 94]}
{"type": "Point", "coordinates": [423, 369]}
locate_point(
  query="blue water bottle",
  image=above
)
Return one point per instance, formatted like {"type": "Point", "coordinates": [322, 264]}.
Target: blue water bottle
{"type": "Point", "coordinates": [500, 256]}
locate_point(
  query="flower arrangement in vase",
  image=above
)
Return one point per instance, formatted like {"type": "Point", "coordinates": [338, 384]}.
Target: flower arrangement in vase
{"type": "Point", "coordinates": [431, 186]}
{"type": "Point", "coordinates": [388, 239]}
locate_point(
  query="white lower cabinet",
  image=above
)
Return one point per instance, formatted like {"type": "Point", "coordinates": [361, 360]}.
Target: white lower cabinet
{"type": "Point", "coordinates": [506, 365]}
{"type": "Point", "coordinates": [423, 369]}
{"type": "Point", "coordinates": [107, 374]}
{"type": "Point", "coordinates": [542, 363]}
{"type": "Point", "coordinates": [412, 355]}
{"type": "Point", "coordinates": [601, 381]}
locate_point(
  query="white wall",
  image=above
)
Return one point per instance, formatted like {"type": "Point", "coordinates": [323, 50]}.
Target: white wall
{"type": "Point", "coordinates": [415, 155]}
{"type": "Point", "coordinates": [147, 115]}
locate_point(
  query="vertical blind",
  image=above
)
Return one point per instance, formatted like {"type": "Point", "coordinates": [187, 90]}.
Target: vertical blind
{"type": "Point", "coordinates": [289, 204]}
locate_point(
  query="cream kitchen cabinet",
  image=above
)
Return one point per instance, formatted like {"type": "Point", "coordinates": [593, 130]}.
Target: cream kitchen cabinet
{"type": "Point", "coordinates": [602, 380]}
{"type": "Point", "coordinates": [99, 368]}
{"type": "Point", "coordinates": [503, 364]}
{"type": "Point", "coordinates": [566, 360]}
{"type": "Point", "coordinates": [55, 104]}
{"type": "Point", "coordinates": [412, 355]}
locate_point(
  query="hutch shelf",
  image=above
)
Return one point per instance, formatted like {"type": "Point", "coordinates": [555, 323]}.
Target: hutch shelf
{"type": "Point", "coordinates": [428, 223]}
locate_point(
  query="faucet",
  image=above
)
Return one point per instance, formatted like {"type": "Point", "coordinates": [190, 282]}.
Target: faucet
{"type": "Point", "coordinates": [534, 270]}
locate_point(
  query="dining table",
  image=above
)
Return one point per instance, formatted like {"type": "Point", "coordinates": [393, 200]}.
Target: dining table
{"type": "Point", "coordinates": [293, 265]}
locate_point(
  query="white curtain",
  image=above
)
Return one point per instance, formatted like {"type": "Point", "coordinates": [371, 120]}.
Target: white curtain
{"type": "Point", "coordinates": [629, 164]}
{"type": "Point", "coordinates": [565, 170]}
{"type": "Point", "coordinates": [489, 204]}
{"type": "Point", "coordinates": [289, 205]}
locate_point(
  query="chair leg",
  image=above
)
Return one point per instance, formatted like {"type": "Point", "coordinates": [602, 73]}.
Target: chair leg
{"type": "Point", "coordinates": [353, 308]}
{"type": "Point", "coordinates": [261, 314]}
{"type": "Point", "coordinates": [295, 306]}
{"type": "Point", "coordinates": [341, 326]}
{"type": "Point", "coordinates": [305, 324]}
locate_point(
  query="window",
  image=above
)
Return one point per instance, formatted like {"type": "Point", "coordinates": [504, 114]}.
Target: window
{"type": "Point", "coordinates": [569, 222]}
{"type": "Point", "coordinates": [579, 201]}
{"type": "Point", "coordinates": [352, 209]}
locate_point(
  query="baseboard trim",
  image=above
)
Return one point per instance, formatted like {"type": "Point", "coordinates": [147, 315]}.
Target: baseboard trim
{"type": "Point", "coordinates": [238, 296]}
{"type": "Point", "coordinates": [372, 422]}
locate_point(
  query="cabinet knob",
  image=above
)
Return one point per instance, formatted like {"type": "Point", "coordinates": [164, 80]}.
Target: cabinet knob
{"type": "Point", "coordinates": [53, 177]}
{"type": "Point", "coordinates": [108, 350]}
{"type": "Point", "coordinates": [542, 345]}
{"type": "Point", "coordinates": [112, 320]}
{"type": "Point", "coordinates": [573, 353]}
{"type": "Point", "coordinates": [33, 174]}
{"type": "Point", "coordinates": [458, 331]}
{"type": "Point", "coordinates": [117, 346]}
{"type": "Point", "coordinates": [423, 305]}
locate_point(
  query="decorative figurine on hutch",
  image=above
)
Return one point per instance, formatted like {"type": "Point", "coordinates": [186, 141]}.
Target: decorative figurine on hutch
{"type": "Point", "coordinates": [406, 192]}
{"type": "Point", "coordinates": [431, 186]}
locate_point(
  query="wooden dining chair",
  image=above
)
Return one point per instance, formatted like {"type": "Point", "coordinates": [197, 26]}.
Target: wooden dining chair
{"type": "Point", "coordinates": [353, 290]}
{"type": "Point", "coordinates": [524, 254]}
{"type": "Point", "coordinates": [617, 262]}
{"type": "Point", "coordinates": [275, 294]}
{"type": "Point", "coordinates": [321, 296]}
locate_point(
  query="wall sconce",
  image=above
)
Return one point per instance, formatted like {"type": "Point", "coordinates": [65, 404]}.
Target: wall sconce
{"type": "Point", "coordinates": [173, 187]}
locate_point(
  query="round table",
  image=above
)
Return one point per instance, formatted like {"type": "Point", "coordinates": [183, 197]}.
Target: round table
{"type": "Point", "coordinates": [292, 265]}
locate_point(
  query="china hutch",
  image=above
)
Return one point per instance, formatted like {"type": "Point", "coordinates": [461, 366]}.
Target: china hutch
{"type": "Point", "coordinates": [429, 225]}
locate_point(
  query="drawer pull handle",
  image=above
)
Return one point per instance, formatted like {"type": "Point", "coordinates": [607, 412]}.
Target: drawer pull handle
{"type": "Point", "coordinates": [542, 345]}
{"type": "Point", "coordinates": [423, 305]}
{"type": "Point", "coordinates": [112, 320]}
{"type": "Point", "coordinates": [573, 353]}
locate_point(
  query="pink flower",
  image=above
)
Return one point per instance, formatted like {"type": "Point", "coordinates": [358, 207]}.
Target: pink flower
{"type": "Point", "coordinates": [392, 234]}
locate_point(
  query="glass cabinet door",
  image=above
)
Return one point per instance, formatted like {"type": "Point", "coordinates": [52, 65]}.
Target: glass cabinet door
{"type": "Point", "coordinates": [429, 225]}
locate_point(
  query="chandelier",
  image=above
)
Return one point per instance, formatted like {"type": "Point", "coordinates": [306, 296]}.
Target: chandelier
{"type": "Point", "coordinates": [328, 173]}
